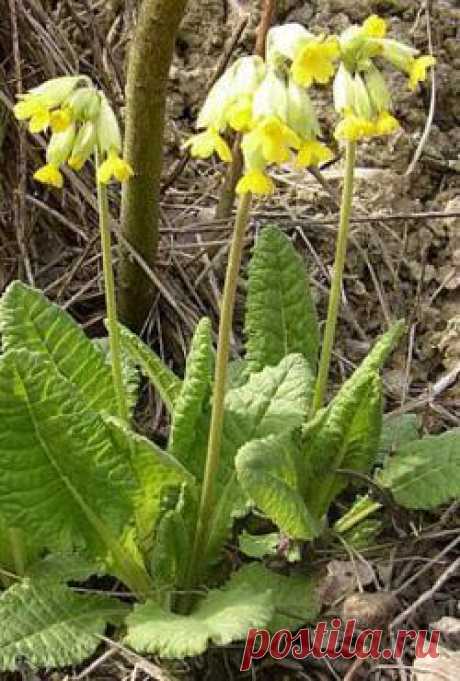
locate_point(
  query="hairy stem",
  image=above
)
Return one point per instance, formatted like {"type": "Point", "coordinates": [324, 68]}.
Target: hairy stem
{"type": "Point", "coordinates": [148, 68]}
{"type": "Point", "coordinates": [110, 301]}
{"type": "Point", "coordinates": [220, 380]}
{"type": "Point", "coordinates": [337, 278]}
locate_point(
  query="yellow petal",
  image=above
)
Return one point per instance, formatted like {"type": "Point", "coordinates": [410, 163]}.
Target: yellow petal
{"type": "Point", "coordinates": [418, 69]}
{"type": "Point", "coordinates": [386, 124]}
{"type": "Point", "coordinates": [122, 170]}
{"type": "Point", "coordinates": [26, 108]}
{"type": "Point", "coordinates": [222, 149]}
{"type": "Point", "coordinates": [105, 171]}
{"type": "Point", "coordinates": [315, 62]}
{"type": "Point", "coordinates": [206, 143]}
{"type": "Point", "coordinates": [375, 27]}
{"type": "Point", "coordinates": [353, 128]}
{"type": "Point", "coordinates": [39, 121]}
{"type": "Point", "coordinates": [60, 120]}
{"type": "Point", "coordinates": [256, 182]}
{"type": "Point", "coordinates": [49, 174]}
{"type": "Point", "coordinates": [239, 114]}
{"type": "Point", "coordinates": [76, 163]}
{"type": "Point", "coordinates": [313, 153]}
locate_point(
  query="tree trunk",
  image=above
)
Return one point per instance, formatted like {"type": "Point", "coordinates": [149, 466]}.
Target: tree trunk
{"type": "Point", "coordinates": [148, 68]}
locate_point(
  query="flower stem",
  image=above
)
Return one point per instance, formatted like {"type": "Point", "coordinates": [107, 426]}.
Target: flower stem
{"type": "Point", "coordinates": [110, 301]}
{"type": "Point", "coordinates": [337, 278]}
{"type": "Point", "coordinates": [220, 380]}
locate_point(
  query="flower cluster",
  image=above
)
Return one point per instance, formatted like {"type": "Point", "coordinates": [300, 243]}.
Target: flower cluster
{"type": "Point", "coordinates": [268, 102]}
{"type": "Point", "coordinates": [361, 95]}
{"type": "Point", "coordinates": [82, 122]}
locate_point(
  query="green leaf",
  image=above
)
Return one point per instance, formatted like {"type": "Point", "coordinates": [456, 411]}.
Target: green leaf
{"type": "Point", "coordinates": [65, 567]}
{"type": "Point", "coordinates": [50, 626]}
{"type": "Point", "coordinates": [397, 431]}
{"type": "Point", "coordinates": [154, 470]}
{"type": "Point", "coordinates": [61, 479]}
{"type": "Point", "coordinates": [230, 497]}
{"type": "Point", "coordinates": [259, 545]}
{"type": "Point", "coordinates": [28, 321]}
{"type": "Point", "coordinates": [280, 312]}
{"type": "Point", "coordinates": [294, 597]}
{"type": "Point", "coordinates": [268, 471]}
{"type": "Point", "coordinates": [172, 551]}
{"type": "Point", "coordinates": [272, 401]}
{"type": "Point", "coordinates": [237, 373]}
{"type": "Point", "coordinates": [17, 551]}
{"type": "Point", "coordinates": [345, 435]}
{"type": "Point", "coordinates": [162, 378]}
{"type": "Point", "coordinates": [189, 427]}
{"type": "Point", "coordinates": [378, 355]}
{"type": "Point", "coordinates": [425, 473]}
{"type": "Point", "coordinates": [221, 617]}
{"type": "Point", "coordinates": [130, 374]}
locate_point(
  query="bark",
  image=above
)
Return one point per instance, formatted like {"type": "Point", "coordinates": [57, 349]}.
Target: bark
{"type": "Point", "coordinates": [148, 69]}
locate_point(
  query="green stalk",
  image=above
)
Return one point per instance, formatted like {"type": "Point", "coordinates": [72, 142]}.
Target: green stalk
{"type": "Point", "coordinates": [110, 300]}
{"type": "Point", "coordinates": [220, 380]}
{"type": "Point", "coordinates": [337, 278]}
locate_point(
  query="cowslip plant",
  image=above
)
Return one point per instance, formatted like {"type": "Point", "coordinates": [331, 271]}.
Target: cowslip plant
{"type": "Point", "coordinates": [82, 494]}
{"type": "Point", "coordinates": [83, 126]}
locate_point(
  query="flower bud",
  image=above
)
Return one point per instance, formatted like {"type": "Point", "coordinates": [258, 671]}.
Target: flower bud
{"type": "Point", "coordinates": [271, 97]}
{"type": "Point", "coordinates": [377, 89]}
{"type": "Point", "coordinates": [343, 90]}
{"type": "Point", "coordinates": [374, 27]}
{"type": "Point", "coordinates": [284, 41]}
{"type": "Point", "coordinates": [83, 146]}
{"type": "Point", "coordinates": [362, 104]}
{"type": "Point", "coordinates": [53, 92]}
{"type": "Point", "coordinates": [60, 146]}
{"type": "Point", "coordinates": [85, 103]}
{"type": "Point", "coordinates": [248, 74]}
{"type": "Point", "coordinates": [301, 115]}
{"type": "Point", "coordinates": [213, 111]}
{"type": "Point", "coordinates": [398, 54]}
{"type": "Point", "coordinates": [108, 131]}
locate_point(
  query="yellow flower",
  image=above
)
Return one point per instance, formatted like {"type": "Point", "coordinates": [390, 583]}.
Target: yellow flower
{"type": "Point", "coordinates": [60, 120]}
{"type": "Point", "coordinates": [206, 143]}
{"type": "Point", "coordinates": [40, 120]}
{"type": "Point", "coordinates": [353, 128]}
{"type": "Point", "coordinates": [49, 174]}
{"type": "Point", "coordinates": [386, 124]}
{"type": "Point", "coordinates": [274, 139]}
{"type": "Point", "coordinates": [239, 114]}
{"type": "Point", "coordinates": [375, 27]}
{"type": "Point", "coordinates": [314, 61]}
{"type": "Point", "coordinates": [114, 167]}
{"type": "Point", "coordinates": [28, 107]}
{"type": "Point", "coordinates": [418, 67]}
{"type": "Point", "coordinates": [313, 153]}
{"type": "Point", "coordinates": [33, 108]}
{"type": "Point", "coordinates": [256, 182]}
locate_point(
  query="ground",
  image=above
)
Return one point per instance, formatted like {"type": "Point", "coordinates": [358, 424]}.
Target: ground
{"type": "Point", "coordinates": [403, 260]}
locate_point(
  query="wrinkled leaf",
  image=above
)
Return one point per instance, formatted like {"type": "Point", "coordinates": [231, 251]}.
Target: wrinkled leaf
{"type": "Point", "coordinates": [425, 473]}
{"type": "Point", "coordinates": [28, 321]}
{"type": "Point", "coordinates": [280, 312]}
{"type": "Point", "coordinates": [51, 626]}
{"type": "Point", "coordinates": [160, 375]}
